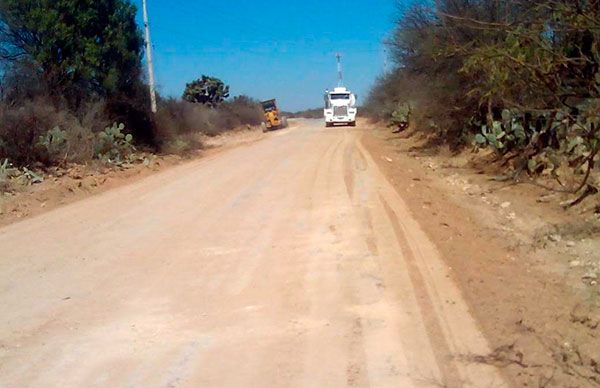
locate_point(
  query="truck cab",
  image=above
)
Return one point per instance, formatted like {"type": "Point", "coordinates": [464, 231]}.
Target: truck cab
{"type": "Point", "coordinates": [340, 107]}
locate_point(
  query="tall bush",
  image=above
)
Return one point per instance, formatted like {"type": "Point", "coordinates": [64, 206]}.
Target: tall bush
{"type": "Point", "coordinates": [520, 77]}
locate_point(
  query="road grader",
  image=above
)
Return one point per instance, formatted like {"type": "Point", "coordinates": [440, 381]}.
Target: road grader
{"type": "Point", "coordinates": [273, 118]}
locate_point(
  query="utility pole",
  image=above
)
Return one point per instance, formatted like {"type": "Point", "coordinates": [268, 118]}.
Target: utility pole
{"type": "Point", "coordinates": [149, 58]}
{"type": "Point", "coordinates": [340, 74]}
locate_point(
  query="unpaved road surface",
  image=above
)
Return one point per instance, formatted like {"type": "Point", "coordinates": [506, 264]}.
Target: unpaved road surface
{"type": "Point", "coordinates": [287, 262]}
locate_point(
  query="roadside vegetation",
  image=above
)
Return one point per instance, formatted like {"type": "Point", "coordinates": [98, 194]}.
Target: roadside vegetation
{"type": "Point", "coordinates": [72, 90]}
{"type": "Point", "coordinates": [316, 113]}
{"type": "Point", "coordinates": [521, 78]}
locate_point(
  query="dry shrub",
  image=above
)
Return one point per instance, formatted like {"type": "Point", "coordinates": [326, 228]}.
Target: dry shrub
{"type": "Point", "coordinates": [429, 99]}
{"type": "Point", "coordinates": [93, 116]}
{"type": "Point", "coordinates": [23, 126]}
{"type": "Point", "coordinates": [133, 110]}
{"type": "Point", "coordinates": [178, 123]}
{"type": "Point", "coordinates": [241, 111]}
{"type": "Point", "coordinates": [315, 113]}
{"type": "Point", "coordinates": [41, 132]}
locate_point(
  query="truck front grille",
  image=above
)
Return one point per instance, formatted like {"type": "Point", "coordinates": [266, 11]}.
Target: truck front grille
{"type": "Point", "coordinates": [340, 110]}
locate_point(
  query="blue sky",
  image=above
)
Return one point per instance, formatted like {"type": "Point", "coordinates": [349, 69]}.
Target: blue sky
{"type": "Point", "coordinates": [270, 49]}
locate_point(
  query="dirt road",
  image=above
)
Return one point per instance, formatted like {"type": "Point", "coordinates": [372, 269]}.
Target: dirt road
{"type": "Point", "coordinates": [287, 262]}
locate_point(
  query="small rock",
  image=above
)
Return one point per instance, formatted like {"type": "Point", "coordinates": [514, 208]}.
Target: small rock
{"type": "Point", "coordinates": [505, 205]}
{"type": "Point", "coordinates": [389, 159]}
{"type": "Point", "coordinates": [555, 237]}
{"type": "Point", "coordinates": [590, 276]}
{"type": "Point", "coordinates": [570, 244]}
{"type": "Point", "coordinates": [574, 263]}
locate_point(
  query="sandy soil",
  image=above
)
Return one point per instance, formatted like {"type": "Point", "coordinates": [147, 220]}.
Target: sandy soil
{"type": "Point", "coordinates": [526, 267]}
{"type": "Point", "coordinates": [286, 262]}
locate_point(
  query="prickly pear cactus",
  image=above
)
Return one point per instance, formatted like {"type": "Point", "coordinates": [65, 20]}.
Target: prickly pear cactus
{"type": "Point", "coordinates": [505, 134]}
{"type": "Point", "coordinates": [113, 146]}
{"type": "Point", "coordinates": [401, 115]}
{"type": "Point", "coordinates": [54, 144]}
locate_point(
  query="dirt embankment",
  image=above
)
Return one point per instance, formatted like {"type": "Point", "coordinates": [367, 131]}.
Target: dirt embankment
{"type": "Point", "coordinates": [528, 268]}
{"type": "Point", "coordinates": [62, 186]}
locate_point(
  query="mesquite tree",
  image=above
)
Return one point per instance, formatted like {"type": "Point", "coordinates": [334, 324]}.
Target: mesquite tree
{"type": "Point", "coordinates": [210, 91]}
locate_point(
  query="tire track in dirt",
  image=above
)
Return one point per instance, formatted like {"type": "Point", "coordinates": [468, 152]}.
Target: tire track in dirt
{"type": "Point", "coordinates": [385, 367]}
{"type": "Point", "coordinates": [450, 373]}
{"type": "Point", "coordinates": [451, 329]}
{"type": "Point", "coordinates": [329, 186]}
{"type": "Point", "coordinates": [352, 164]}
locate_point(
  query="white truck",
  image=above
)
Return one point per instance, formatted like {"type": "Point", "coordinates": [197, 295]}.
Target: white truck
{"type": "Point", "coordinates": [340, 107]}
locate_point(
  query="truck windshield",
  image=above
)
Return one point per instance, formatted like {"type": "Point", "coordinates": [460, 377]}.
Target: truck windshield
{"type": "Point", "coordinates": [340, 96]}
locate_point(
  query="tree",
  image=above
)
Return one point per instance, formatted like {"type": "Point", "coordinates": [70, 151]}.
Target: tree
{"type": "Point", "coordinates": [521, 77]}
{"type": "Point", "coordinates": [80, 47]}
{"type": "Point", "coordinates": [206, 90]}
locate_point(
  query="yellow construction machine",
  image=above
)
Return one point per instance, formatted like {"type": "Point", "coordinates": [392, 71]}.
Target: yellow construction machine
{"type": "Point", "coordinates": [273, 118]}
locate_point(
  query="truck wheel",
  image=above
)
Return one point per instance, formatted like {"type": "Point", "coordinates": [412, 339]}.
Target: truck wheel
{"type": "Point", "coordinates": [264, 127]}
{"type": "Point", "coordinates": [284, 122]}
{"type": "Point", "coordinates": [328, 125]}
{"type": "Point", "coordinates": [353, 124]}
